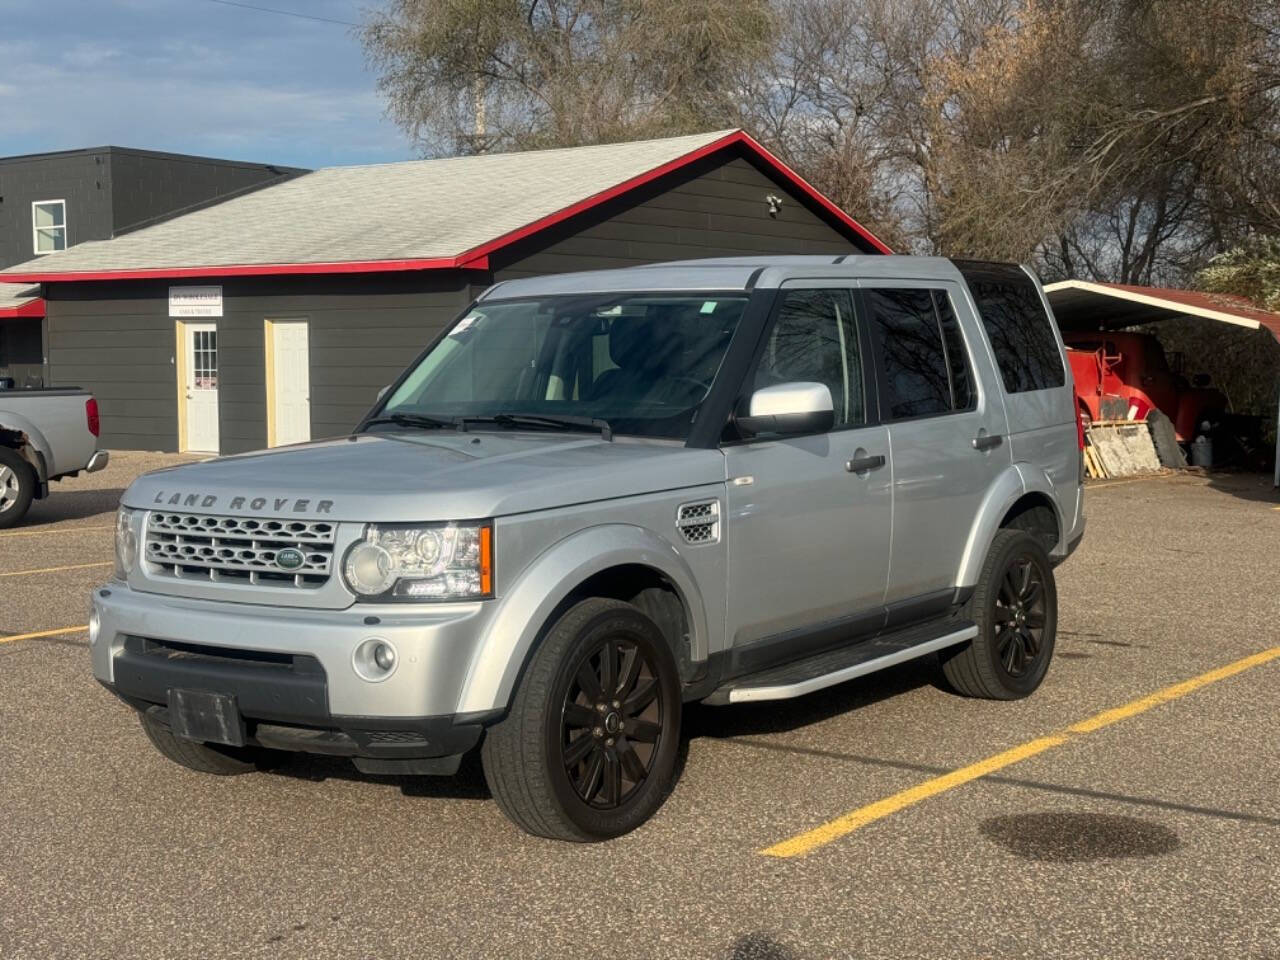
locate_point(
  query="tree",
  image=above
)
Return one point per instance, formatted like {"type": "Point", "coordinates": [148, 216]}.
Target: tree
{"type": "Point", "coordinates": [1120, 139]}
{"type": "Point", "coordinates": [469, 76]}
{"type": "Point", "coordinates": [1251, 270]}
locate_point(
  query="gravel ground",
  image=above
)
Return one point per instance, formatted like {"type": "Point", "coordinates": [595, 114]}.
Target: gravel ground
{"type": "Point", "coordinates": [1157, 836]}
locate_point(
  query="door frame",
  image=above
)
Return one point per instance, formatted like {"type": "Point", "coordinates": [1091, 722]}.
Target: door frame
{"type": "Point", "coordinates": [180, 335]}
{"type": "Point", "coordinates": [269, 353]}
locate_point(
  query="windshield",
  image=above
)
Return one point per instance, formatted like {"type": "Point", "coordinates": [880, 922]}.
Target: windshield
{"type": "Point", "coordinates": [640, 362]}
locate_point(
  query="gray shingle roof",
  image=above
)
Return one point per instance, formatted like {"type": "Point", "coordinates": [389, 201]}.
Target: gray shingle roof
{"type": "Point", "coordinates": [417, 210]}
{"type": "Point", "coordinates": [14, 295]}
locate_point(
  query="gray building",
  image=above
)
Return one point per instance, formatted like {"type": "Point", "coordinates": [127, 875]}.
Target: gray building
{"type": "Point", "coordinates": [52, 201]}
{"type": "Point", "coordinates": [277, 316]}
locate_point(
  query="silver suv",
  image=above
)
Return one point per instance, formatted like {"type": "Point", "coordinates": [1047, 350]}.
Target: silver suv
{"type": "Point", "coordinates": [598, 496]}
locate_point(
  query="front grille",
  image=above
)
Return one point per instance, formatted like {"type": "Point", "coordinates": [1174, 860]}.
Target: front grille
{"type": "Point", "coordinates": [239, 550]}
{"type": "Point", "coordinates": [699, 522]}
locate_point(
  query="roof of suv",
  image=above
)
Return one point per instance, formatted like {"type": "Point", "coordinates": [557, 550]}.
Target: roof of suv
{"type": "Point", "coordinates": [725, 273]}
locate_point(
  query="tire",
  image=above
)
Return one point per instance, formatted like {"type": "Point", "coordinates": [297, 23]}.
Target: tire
{"type": "Point", "coordinates": [1017, 622]}
{"type": "Point", "coordinates": [558, 765]}
{"type": "Point", "coordinates": [204, 757]}
{"type": "Point", "coordinates": [17, 487]}
{"type": "Point", "coordinates": [1165, 440]}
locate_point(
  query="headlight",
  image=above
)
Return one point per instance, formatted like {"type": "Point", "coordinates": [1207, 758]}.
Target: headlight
{"type": "Point", "coordinates": [439, 561]}
{"type": "Point", "coordinates": [126, 544]}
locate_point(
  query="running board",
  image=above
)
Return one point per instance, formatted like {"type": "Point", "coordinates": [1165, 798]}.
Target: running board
{"type": "Point", "coordinates": [836, 666]}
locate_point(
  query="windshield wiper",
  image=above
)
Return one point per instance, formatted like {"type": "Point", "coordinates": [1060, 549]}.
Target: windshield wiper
{"type": "Point", "coordinates": [420, 420]}
{"type": "Point", "coordinates": [545, 421]}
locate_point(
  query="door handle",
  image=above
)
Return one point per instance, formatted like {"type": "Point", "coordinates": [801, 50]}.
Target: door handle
{"type": "Point", "coordinates": [858, 464]}
{"type": "Point", "coordinates": [987, 441]}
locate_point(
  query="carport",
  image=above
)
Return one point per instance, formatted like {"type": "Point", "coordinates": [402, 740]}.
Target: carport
{"type": "Point", "coordinates": [1082, 305]}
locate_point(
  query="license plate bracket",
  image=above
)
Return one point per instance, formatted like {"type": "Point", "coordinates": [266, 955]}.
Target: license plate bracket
{"type": "Point", "coordinates": [206, 716]}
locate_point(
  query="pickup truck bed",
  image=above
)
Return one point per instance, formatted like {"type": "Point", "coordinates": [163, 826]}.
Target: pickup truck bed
{"type": "Point", "coordinates": [45, 435]}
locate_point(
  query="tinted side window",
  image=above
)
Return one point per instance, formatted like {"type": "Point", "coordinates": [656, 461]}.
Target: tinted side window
{"type": "Point", "coordinates": [916, 373]}
{"type": "Point", "coordinates": [1017, 326]}
{"type": "Point", "coordinates": [814, 339]}
{"type": "Point", "coordinates": [963, 396]}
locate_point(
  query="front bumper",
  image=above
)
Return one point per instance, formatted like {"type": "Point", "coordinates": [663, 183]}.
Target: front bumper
{"type": "Point", "coordinates": [292, 672]}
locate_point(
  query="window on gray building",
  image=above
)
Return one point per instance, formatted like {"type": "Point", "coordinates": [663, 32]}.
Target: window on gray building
{"type": "Point", "coordinates": [49, 225]}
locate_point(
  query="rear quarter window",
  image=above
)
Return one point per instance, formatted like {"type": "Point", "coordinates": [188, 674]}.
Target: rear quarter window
{"type": "Point", "coordinates": [1017, 325]}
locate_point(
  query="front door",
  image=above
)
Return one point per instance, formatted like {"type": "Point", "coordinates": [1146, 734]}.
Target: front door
{"type": "Point", "coordinates": [809, 536]}
{"type": "Point", "coordinates": [200, 387]}
{"type": "Point", "coordinates": [288, 382]}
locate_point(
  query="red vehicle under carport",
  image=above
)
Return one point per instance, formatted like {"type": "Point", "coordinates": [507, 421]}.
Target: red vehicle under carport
{"type": "Point", "coordinates": [1091, 315]}
{"type": "Point", "coordinates": [1124, 375]}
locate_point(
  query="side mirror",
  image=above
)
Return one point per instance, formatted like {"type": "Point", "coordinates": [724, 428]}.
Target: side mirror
{"type": "Point", "coordinates": [786, 408]}
{"type": "Point", "coordinates": [383, 392]}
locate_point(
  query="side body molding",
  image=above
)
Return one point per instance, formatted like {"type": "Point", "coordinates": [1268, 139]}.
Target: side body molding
{"type": "Point", "coordinates": [551, 577]}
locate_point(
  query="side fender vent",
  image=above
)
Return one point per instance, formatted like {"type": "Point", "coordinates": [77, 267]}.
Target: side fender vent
{"type": "Point", "coordinates": [699, 522]}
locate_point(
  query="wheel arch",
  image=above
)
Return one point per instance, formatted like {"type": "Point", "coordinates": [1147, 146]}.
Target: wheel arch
{"type": "Point", "coordinates": [1018, 498]}
{"type": "Point", "coordinates": [609, 560]}
{"type": "Point", "coordinates": [24, 437]}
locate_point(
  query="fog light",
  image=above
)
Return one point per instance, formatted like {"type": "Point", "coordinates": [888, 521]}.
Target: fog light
{"type": "Point", "coordinates": [374, 659]}
{"type": "Point", "coordinates": [384, 657]}
{"type": "Point", "coordinates": [95, 624]}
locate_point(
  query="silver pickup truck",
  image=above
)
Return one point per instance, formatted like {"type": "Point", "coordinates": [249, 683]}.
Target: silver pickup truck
{"type": "Point", "coordinates": [596, 497]}
{"type": "Point", "coordinates": [45, 435]}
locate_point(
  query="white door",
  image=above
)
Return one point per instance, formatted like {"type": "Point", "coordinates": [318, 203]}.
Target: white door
{"type": "Point", "coordinates": [288, 382]}
{"type": "Point", "coordinates": [201, 387]}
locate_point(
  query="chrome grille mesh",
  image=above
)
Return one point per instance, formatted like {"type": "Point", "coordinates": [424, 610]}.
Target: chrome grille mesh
{"type": "Point", "coordinates": [239, 550]}
{"type": "Point", "coordinates": [699, 522]}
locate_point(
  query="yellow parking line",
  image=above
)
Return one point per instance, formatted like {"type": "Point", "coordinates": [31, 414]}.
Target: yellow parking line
{"type": "Point", "coordinates": [70, 566]}
{"type": "Point", "coordinates": [842, 826]}
{"type": "Point", "coordinates": [44, 633]}
{"type": "Point", "coordinates": [50, 533]}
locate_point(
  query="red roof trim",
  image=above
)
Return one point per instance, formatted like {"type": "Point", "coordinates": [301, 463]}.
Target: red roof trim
{"type": "Point", "coordinates": [32, 308]}
{"type": "Point", "coordinates": [251, 270]}
{"type": "Point", "coordinates": [477, 257]}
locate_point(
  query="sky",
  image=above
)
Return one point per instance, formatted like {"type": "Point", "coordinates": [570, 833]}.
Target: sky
{"type": "Point", "coordinates": [192, 76]}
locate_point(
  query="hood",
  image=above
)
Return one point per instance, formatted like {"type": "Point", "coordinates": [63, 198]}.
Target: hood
{"type": "Point", "coordinates": [419, 476]}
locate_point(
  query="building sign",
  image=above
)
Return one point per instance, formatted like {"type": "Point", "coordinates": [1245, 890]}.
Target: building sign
{"type": "Point", "coordinates": [195, 301]}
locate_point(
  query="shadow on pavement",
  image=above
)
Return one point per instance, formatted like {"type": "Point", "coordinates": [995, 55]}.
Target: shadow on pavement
{"type": "Point", "coordinates": [71, 505]}
{"type": "Point", "coordinates": [467, 784]}
{"type": "Point", "coordinates": [1258, 487]}
{"type": "Point", "coordinates": [780, 716]}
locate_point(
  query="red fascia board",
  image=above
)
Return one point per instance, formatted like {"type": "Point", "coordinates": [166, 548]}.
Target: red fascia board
{"type": "Point", "coordinates": [737, 137]}
{"type": "Point", "coordinates": [251, 270]}
{"type": "Point", "coordinates": [477, 258]}
{"type": "Point", "coordinates": [32, 308]}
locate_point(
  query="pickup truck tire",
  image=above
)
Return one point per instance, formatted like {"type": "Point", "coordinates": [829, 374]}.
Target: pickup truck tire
{"type": "Point", "coordinates": [203, 757]}
{"type": "Point", "coordinates": [17, 487]}
{"type": "Point", "coordinates": [588, 749]}
{"type": "Point", "coordinates": [1015, 605]}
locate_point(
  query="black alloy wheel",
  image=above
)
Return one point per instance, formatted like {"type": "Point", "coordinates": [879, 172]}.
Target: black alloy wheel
{"type": "Point", "coordinates": [1019, 616]}
{"type": "Point", "coordinates": [611, 723]}
{"type": "Point", "coordinates": [588, 748]}
{"type": "Point", "coordinates": [1015, 609]}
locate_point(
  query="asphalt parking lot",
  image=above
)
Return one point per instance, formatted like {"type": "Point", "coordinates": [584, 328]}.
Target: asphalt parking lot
{"type": "Point", "coordinates": [883, 818]}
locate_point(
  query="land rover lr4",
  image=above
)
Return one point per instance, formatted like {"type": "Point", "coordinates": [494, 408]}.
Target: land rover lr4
{"type": "Point", "coordinates": [598, 496]}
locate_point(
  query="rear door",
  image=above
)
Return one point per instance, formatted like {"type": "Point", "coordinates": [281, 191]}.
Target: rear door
{"type": "Point", "coordinates": [946, 428]}
{"type": "Point", "coordinates": [1028, 351]}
